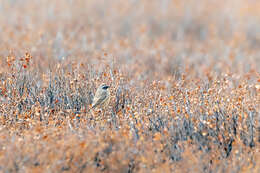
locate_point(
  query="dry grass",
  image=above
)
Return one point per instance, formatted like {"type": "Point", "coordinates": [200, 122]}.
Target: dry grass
{"type": "Point", "coordinates": [184, 76]}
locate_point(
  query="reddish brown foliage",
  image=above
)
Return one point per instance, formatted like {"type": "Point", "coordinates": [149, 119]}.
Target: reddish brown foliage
{"type": "Point", "coordinates": [184, 77]}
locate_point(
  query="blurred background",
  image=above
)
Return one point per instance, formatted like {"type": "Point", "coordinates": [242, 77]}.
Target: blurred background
{"type": "Point", "coordinates": [68, 27]}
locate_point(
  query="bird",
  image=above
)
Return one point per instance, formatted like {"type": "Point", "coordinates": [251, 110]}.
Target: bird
{"type": "Point", "coordinates": [102, 97]}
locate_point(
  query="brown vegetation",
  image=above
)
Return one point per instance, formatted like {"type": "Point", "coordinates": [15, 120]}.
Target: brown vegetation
{"type": "Point", "coordinates": [184, 77]}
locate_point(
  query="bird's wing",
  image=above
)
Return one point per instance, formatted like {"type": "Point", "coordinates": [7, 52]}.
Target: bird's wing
{"type": "Point", "coordinates": [99, 99]}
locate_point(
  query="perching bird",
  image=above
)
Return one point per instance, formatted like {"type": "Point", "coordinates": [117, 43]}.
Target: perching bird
{"type": "Point", "coordinates": [102, 97]}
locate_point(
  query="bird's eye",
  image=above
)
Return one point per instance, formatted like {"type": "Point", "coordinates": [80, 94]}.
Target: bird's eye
{"type": "Point", "coordinates": [105, 87]}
